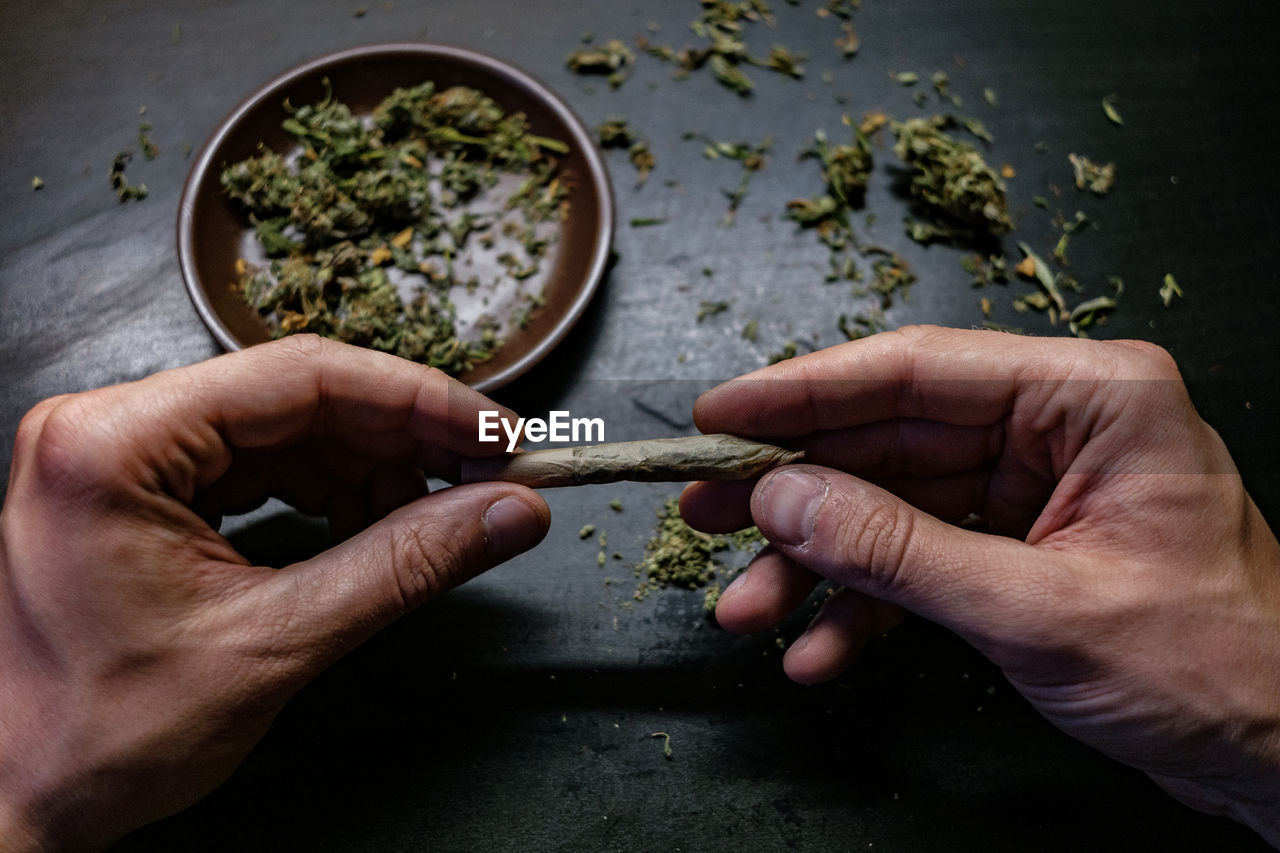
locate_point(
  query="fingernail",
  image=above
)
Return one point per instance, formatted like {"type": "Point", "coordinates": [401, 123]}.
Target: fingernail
{"type": "Point", "coordinates": [511, 527]}
{"type": "Point", "coordinates": [790, 505]}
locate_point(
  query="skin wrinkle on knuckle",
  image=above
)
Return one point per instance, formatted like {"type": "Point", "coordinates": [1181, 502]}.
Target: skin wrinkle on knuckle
{"type": "Point", "coordinates": [878, 543]}
{"type": "Point", "coordinates": [66, 450]}
{"type": "Point", "coordinates": [422, 564]}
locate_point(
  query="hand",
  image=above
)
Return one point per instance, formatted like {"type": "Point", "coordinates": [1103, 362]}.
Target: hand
{"type": "Point", "coordinates": [141, 657]}
{"type": "Point", "coordinates": [1126, 584]}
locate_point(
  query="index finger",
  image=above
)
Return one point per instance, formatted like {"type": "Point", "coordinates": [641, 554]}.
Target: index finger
{"type": "Point", "coordinates": [275, 394]}
{"type": "Point", "coordinates": [952, 376]}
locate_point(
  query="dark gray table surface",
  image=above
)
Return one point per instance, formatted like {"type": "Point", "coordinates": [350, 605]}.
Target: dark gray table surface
{"type": "Point", "coordinates": [516, 712]}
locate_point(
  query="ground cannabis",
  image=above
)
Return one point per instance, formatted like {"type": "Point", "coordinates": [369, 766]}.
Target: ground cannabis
{"type": "Point", "coordinates": [125, 190]}
{"type": "Point", "coordinates": [666, 744]}
{"type": "Point", "coordinates": [1098, 179]}
{"type": "Point", "coordinates": [149, 149]}
{"type": "Point", "coordinates": [862, 324]}
{"type": "Point", "coordinates": [612, 58]}
{"type": "Point", "coordinates": [1109, 108]}
{"type": "Point", "coordinates": [789, 351]}
{"type": "Point", "coordinates": [963, 197]}
{"type": "Point", "coordinates": [614, 133]}
{"type": "Point", "coordinates": [677, 555]}
{"type": "Point", "coordinates": [751, 157]}
{"type": "Point", "coordinates": [1088, 313]}
{"type": "Point", "coordinates": [710, 309]}
{"type": "Point", "coordinates": [1169, 290]}
{"type": "Point", "coordinates": [368, 204]}
{"type": "Point", "coordinates": [721, 26]}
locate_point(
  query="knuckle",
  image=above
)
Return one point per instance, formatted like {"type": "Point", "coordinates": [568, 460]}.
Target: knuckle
{"type": "Point", "coordinates": [58, 437]}
{"type": "Point", "coordinates": [878, 542]}
{"type": "Point", "coordinates": [299, 347]}
{"type": "Point", "coordinates": [917, 334]}
{"type": "Point", "coordinates": [423, 564]}
{"type": "Point", "coordinates": [32, 424]}
{"type": "Point", "coordinates": [1147, 360]}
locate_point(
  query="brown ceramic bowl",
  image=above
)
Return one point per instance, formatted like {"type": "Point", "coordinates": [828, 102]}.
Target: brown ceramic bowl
{"type": "Point", "coordinates": [212, 234]}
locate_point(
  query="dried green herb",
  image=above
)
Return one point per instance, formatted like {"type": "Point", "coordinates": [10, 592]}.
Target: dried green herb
{"type": "Point", "coordinates": [730, 75]}
{"type": "Point", "coordinates": [37, 183]}
{"type": "Point", "coordinates": [1169, 290]}
{"type": "Point", "coordinates": [1109, 108]}
{"type": "Point", "coordinates": [1033, 266]}
{"type": "Point", "coordinates": [992, 269]}
{"type": "Point", "coordinates": [642, 159]}
{"type": "Point", "coordinates": [783, 61]}
{"type": "Point", "coordinates": [677, 555]}
{"type": "Point", "coordinates": [862, 324]}
{"type": "Point", "coordinates": [1001, 327]}
{"type": "Point", "coordinates": [647, 221]}
{"type": "Point", "coordinates": [989, 95]}
{"type": "Point", "coordinates": [1098, 179]}
{"type": "Point", "coordinates": [149, 149]}
{"type": "Point", "coordinates": [963, 197]}
{"type": "Point", "coordinates": [721, 26]}
{"type": "Point", "coordinates": [789, 351]}
{"type": "Point", "coordinates": [1070, 227]}
{"type": "Point", "coordinates": [666, 744]}
{"type": "Point", "coordinates": [612, 58]}
{"type": "Point", "coordinates": [615, 505]}
{"type": "Point", "coordinates": [751, 157]}
{"type": "Point", "coordinates": [905, 78]}
{"type": "Point", "coordinates": [125, 190]}
{"type": "Point", "coordinates": [846, 167]}
{"type": "Point", "coordinates": [587, 531]}
{"type": "Point", "coordinates": [1089, 312]}
{"type": "Point", "coordinates": [848, 43]}
{"type": "Point", "coordinates": [615, 133]}
{"type": "Point", "coordinates": [710, 309]}
{"type": "Point", "coordinates": [750, 331]}
{"type": "Point", "coordinates": [367, 203]}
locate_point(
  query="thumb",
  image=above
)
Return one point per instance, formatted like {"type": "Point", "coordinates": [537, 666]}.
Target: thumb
{"type": "Point", "coordinates": [341, 597]}
{"type": "Point", "coordinates": [869, 540]}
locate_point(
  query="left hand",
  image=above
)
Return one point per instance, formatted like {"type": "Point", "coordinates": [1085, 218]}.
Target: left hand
{"type": "Point", "coordinates": [142, 657]}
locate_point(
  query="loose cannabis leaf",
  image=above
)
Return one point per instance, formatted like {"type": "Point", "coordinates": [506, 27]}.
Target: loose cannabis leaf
{"type": "Point", "coordinates": [1109, 108]}
{"type": "Point", "coordinates": [612, 58]}
{"type": "Point", "coordinates": [124, 190]}
{"type": "Point", "coordinates": [1098, 179]}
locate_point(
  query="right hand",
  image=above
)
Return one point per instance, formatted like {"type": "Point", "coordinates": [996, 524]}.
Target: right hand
{"type": "Point", "coordinates": [1126, 583]}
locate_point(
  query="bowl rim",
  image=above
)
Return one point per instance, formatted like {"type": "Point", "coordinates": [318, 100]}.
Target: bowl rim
{"type": "Point", "coordinates": [597, 175]}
